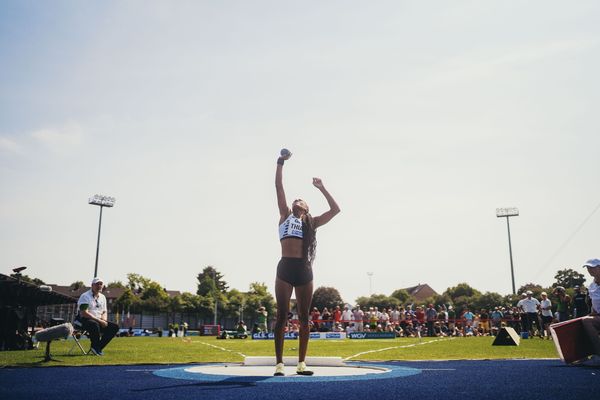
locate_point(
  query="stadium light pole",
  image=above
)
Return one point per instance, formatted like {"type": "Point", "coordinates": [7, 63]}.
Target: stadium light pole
{"type": "Point", "coordinates": [370, 283]}
{"type": "Point", "coordinates": [214, 274]}
{"type": "Point", "coordinates": [507, 213]}
{"type": "Point", "coordinates": [100, 201]}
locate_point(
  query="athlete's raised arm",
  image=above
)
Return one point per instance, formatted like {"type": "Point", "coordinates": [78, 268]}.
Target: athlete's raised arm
{"type": "Point", "coordinates": [284, 210]}
{"type": "Point", "coordinates": [334, 209]}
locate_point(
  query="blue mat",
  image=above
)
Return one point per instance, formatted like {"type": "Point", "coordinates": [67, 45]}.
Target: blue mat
{"type": "Point", "coordinates": [505, 379]}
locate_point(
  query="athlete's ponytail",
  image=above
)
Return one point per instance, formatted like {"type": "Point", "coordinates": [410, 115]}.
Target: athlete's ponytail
{"type": "Point", "coordinates": [309, 244]}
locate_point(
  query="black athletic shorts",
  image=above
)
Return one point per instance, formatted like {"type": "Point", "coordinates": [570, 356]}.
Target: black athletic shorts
{"type": "Point", "coordinates": [294, 271]}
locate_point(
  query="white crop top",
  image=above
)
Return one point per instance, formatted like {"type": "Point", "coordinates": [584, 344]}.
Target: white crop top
{"type": "Point", "coordinates": [291, 227]}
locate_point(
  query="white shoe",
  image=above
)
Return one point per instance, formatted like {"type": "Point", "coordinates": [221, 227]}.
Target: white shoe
{"type": "Point", "coordinates": [279, 370]}
{"type": "Point", "coordinates": [301, 369]}
{"type": "Point", "coordinates": [593, 361]}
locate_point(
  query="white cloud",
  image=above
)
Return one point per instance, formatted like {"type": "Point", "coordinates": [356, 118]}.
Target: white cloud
{"type": "Point", "coordinates": [61, 139]}
{"type": "Point", "coordinates": [470, 67]}
{"type": "Point", "coordinates": [10, 146]}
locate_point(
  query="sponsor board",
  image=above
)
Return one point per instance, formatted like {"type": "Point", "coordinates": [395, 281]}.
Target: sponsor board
{"type": "Point", "coordinates": [292, 336]}
{"type": "Point", "coordinates": [328, 335]}
{"type": "Point", "coordinates": [372, 335]}
{"type": "Point", "coordinates": [271, 336]}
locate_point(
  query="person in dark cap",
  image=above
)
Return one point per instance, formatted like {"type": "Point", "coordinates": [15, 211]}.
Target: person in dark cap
{"type": "Point", "coordinates": [580, 303]}
{"type": "Point", "coordinates": [563, 302]}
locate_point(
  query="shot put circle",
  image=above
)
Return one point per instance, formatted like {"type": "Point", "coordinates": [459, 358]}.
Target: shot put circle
{"type": "Point", "coordinates": [238, 373]}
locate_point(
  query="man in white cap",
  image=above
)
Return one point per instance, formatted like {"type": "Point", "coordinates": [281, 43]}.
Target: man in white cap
{"type": "Point", "coordinates": [591, 323]}
{"type": "Point", "coordinates": [93, 316]}
{"type": "Point", "coordinates": [547, 318]}
{"type": "Point", "coordinates": [530, 306]}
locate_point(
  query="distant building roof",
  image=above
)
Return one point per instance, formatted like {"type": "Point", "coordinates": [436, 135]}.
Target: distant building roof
{"type": "Point", "coordinates": [15, 292]}
{"type": "Point", "coordinates": [421, 292]}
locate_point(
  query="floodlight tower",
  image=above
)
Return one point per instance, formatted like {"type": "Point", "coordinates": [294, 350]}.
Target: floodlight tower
{"type": "Point", "coordinates": [214, 274]}
{"type": "Point", "coordinates": [507, 213]}
{"type": "Point", "coordinates": [370, 283]}
{"type": "Point", "coordinates": [101, 201]}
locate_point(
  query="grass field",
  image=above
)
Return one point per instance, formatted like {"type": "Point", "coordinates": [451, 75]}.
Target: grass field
{"type": "Point", "coordinates": [154, 350]}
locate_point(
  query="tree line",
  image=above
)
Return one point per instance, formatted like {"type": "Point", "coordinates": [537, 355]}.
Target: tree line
{"type": "Point", "coordinates": [141, 294]}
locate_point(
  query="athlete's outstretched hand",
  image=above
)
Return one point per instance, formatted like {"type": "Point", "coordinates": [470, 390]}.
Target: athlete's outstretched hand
{"type": "Point", "coordinates": [318, 183]}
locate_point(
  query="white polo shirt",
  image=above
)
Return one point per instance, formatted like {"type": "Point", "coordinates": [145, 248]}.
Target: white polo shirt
{"type": "Point", "coordinates": [546, 304]}
{"type": "Point", "coordinates": [96, 306]}
{"type": "Point", "coordinates": [594, 293]}
{"type": "Point", "coordinates": [529, 305]}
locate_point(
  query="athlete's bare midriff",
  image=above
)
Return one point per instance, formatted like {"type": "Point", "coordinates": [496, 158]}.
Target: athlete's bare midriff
{"type": "Point", "coordinates": [291, 247]}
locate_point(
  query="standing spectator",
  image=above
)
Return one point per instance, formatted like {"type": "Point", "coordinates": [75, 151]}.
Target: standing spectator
{"type": "Point", "coordinates": [468, 317]}
{"type": "Point", "coordinates": [326, 319]}
{"type": "Point", "coordinates": [358, 319]}
{"type": "Point", "coordinates": [366, 318]}
{"type": "Point", "coordinates": [395, 317]}
{"type": "Point", "coordinates": [384, 318]}
{"type": "Point", "coordinates": [580, 303]}
{"type": "Point", "coordinates": [546, 307]}
{"type": "Point", "coordinates": [402, 318]}
{"type": "Point", "coordinates": [443, 315]}
{"type": "Point", "coordinates": [261, 319]}
{"type": "Point", "coordinates": [515, 317]}
{"type": "Point", "coordinates": [420, 316]}
{"type": "Point", "coordinates": [496, 320]}
{"type": "Point", "coordinates": [563, 302]}
{"type": "Point", "coordinates": [430, 317]}
{"type": "Point", "coordinates": [337, 315]}
{"type": "Point", "coordinates": [347, 317]}
{"type": "Point", "coordinates": [530, 306]}
{"type": "Point", "coordinates": [373, 318]}
{"type": "Point", "coordinates": [484, 320]}
{"type": "Point", "coordinates": [451, 318]}
{"type": "Point", "coordinates": [315, 316]}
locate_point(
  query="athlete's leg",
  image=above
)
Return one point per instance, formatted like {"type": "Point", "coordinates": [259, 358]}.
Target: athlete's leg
{"type": "Point", "coordinates": [283, 293]}
{"type": "Point", "coordinates": [303, 298]}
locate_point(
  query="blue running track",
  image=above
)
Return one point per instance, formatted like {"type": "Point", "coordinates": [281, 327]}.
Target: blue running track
{"type": "Point", "coordinates": [496, 379]}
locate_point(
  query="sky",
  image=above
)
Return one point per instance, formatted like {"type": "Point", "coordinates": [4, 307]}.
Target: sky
{"type": "Point", "coordinates": [421, 118]}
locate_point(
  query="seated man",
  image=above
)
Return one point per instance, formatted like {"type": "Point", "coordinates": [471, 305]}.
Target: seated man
{"type": "Point", "coordinates": [93, 317]}
{"type": "Point", "coordinates": [241, 328]}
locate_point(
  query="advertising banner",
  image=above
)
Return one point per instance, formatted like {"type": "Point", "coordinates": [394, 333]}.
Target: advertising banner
{"type": "Point", "coordinates": [271, 336]}
{"type": "Point", "coordinates": [372, 335]}
{"type": "Point", "coordinates": [328, 335]}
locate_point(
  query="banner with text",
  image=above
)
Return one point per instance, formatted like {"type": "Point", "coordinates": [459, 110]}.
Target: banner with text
{"type": "Point", "coordinates": [371, 335]}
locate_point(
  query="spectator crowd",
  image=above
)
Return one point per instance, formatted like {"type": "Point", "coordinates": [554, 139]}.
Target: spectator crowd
{"type": "Point", "coordinates": [531, 317]}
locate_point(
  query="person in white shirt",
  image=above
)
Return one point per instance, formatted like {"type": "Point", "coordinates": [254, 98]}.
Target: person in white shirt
{"type": "Point", "coordinates": [529, 306]}
{"type": "Point", "coordinates": [347, 317]}
{"type": "Point", "coordinates": [591, 323]}
{"type": "Point", "coordinates": [546, 307]}
{"type": "Point", "coordinates": [395, 316]}
{"type": "Point", "coordinates": [93, 316]}
{"type": "Point", "coordinates": [358, 319]}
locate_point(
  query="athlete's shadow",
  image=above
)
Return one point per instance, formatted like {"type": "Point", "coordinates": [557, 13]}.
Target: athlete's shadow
{"type": "Point", "coordinates": [230, 383]}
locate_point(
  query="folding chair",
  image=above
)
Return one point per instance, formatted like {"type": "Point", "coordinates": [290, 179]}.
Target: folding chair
{"type": "Point", "coordinates": [78, 331]}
